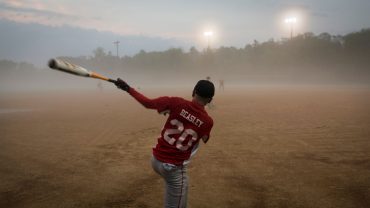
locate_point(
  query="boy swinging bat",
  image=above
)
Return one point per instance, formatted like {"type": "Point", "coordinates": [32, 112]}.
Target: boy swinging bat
{"type": "Point", "coordinates": [187, 124]}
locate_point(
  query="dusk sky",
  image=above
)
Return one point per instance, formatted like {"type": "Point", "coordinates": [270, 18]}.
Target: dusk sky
{"type": "Point", "coordinates": [160, 24]}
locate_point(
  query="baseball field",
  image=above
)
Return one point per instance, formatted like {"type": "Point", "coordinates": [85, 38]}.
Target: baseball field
{"type": "Point", "coordinates": [292, 147]}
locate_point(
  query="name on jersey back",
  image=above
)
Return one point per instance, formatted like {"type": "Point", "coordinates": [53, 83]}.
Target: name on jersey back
{"type": "Point", "coordinates": [193, 119]}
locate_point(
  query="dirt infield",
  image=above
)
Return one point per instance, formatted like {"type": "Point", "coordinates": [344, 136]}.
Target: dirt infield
{"type": "Point", "coordinates": [302, 147]}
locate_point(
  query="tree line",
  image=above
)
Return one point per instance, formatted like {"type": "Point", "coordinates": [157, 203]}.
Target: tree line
{"type": "Point", "coordinates": [305, 55]}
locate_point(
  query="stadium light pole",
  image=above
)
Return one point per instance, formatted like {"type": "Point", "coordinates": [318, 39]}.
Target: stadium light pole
{"type": "Point", "coordinates": [117, 46]}
{"type": "Point", "coordinates": [208, 35]}
{"type": "Point", "coordinates": [291, 21]}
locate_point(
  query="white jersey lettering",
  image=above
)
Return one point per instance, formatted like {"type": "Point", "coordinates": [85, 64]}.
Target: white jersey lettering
{"type": "Point", "coordinates": [196, 121]}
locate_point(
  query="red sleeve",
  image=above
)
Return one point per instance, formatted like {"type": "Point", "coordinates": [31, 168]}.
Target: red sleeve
{"type": "Point", "coordinates": [208, 131]}
{"type": "Point", "coordinates": [160, 104]}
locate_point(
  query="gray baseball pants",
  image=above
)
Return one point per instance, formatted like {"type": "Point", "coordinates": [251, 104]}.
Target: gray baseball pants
{"type": "Point", "coordinates": [176, 183]}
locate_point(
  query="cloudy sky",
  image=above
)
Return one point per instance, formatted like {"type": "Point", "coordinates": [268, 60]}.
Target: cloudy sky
{"type": "Point", "coordinates": [80, 26]}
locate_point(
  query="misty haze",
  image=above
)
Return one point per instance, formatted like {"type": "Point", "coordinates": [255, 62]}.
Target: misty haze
{"type": "Point", "coordinates": [306, 59]}
{"type": "Point", "coordinates": [291, 107]}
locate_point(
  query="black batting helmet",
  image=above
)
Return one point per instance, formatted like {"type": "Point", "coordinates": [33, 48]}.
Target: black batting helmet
{"type": "Point", "coordinates": [205, 89]}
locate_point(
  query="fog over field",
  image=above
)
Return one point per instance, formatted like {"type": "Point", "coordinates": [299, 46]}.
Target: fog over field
{"type": "Point", "coordinates": [306, 59]}
{"type": "Point", "coordinates": [291, 123]}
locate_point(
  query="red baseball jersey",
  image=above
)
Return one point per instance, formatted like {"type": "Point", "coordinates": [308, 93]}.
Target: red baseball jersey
{"type": "Point", "coordinates": [187, 123]}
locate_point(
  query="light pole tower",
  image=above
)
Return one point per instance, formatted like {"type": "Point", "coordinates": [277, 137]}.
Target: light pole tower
{"type": "Point", "coordinates": [117, 46]}
{"type": "Point", "coordinates": [208, 35]}
{"type": "Point", "coordinates": [291, 21]}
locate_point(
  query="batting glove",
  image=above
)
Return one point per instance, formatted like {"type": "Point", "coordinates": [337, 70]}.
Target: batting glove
{"type": "Point", "coordinates": [122, 85]}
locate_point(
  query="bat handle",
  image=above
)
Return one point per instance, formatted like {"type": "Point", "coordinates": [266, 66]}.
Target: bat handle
{"type": "Point", "coordinates": [98, 76]}
{"type": "Point", "coordinates": [112, 80]}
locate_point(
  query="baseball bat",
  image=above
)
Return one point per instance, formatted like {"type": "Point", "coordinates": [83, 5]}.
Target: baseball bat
{"type": "Point", "coordinates": [65, 66]}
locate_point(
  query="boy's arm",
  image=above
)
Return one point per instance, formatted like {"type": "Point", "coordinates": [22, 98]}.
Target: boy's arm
{"type": "Point", "coordinates": [205, 137]}
{"type": "Point", "coordinates": [146, 102]}
{"type": "Point", "coordinates": [157, 103]}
